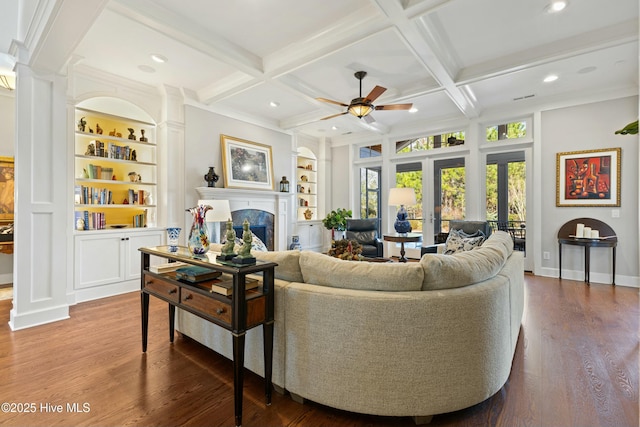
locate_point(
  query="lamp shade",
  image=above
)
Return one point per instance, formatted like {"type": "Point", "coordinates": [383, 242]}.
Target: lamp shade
{"type": "Point", "coordinates": [220, 212]}
{"type": "Point", "coordinates": [402, 196]}
{"type": "Point", "coordinates": [360, 109]}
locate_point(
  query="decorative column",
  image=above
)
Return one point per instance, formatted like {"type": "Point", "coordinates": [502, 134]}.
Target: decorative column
{"type": "Point", "coordinates": [42, 219]}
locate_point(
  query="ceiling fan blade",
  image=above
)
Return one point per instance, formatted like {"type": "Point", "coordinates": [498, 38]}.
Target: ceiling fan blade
{"type": "Point", "coordinates": [332, 102]}
{"type": "Point", "coordinates": [334, 115]}
{"type": "Point", "coordinates": [394, 107]}
{"type": "Point", "coordinates": [375, 93]}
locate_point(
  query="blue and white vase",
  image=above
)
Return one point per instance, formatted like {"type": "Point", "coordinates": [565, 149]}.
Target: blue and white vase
{"type": "Point", "coordinates": [295, 243]}
{"type": "Point", "coordinates": [173, 233]}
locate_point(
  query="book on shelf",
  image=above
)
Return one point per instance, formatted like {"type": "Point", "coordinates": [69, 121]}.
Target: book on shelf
{"type": "Point", "coordinates": [167, 267]}
{"type": "Point", "coordinates": [194, 273]}
{"type": "Point", "coordinates": [225, 286]}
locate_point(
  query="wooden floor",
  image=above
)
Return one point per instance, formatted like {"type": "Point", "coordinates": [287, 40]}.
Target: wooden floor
{"type": "Point", "coordinates": [576, 364]}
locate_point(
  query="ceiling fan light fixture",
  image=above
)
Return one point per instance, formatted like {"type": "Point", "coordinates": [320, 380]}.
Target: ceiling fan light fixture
{"type": "Point", "coordinates": [360, 109]}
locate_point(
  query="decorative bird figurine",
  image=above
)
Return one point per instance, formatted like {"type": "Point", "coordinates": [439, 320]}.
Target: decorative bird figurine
{"type": "Point", "coordinates": [630, 129]}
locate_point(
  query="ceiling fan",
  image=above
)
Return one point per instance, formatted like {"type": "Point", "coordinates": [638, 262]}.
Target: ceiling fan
{"type": "Point", "coordinates": [361, 107]}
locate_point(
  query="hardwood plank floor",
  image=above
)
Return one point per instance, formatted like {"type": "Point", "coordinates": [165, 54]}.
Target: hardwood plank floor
{"type": "Point", "coordinates": [576, 364]}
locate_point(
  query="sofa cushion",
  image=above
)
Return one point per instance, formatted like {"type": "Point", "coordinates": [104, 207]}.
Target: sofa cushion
{"type": "Point", "coordinates": [288, 264]}
{"type": "Point", "coordinates": [464, 268]}
{"type": "Point", "coordinates": [459, 241]}
{"type": "Point", "coordinates": [324, 270]}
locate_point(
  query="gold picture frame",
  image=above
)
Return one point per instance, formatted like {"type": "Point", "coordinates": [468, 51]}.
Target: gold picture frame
{"type": "Point", "coordinates": [246, 164]}
{"type": "Point", "coordinates": [588, 178]}
{"type": "Point", "coordinates": [7, 186]}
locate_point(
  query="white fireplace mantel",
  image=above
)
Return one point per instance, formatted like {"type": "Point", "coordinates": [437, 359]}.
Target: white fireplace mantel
{"type": "Point", "coordinates": [273, 202]}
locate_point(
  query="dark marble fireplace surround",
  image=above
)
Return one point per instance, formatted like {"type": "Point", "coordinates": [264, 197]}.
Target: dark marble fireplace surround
{"type": "Point", "coordinates": [260, 223]}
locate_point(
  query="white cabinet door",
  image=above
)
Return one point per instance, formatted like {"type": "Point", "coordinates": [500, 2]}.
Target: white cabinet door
{"type": "Point", "coordinates": [99, 260]}
{"type": "Point", "coordinates": [310, 235]}
{"type": "Point", "coordinates": [134, 241]}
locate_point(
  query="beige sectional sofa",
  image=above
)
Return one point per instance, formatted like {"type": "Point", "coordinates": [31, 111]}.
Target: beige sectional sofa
{"type": "Point", "coordinates": [413, 339]}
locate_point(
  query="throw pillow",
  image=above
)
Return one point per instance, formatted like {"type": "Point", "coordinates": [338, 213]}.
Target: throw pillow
{"type": "Point", "coordinates": [459, 241]}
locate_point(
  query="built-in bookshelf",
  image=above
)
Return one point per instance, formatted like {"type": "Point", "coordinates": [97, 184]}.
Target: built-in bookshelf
{"type": "Point", "coordinates": [306, 185]}
{"type": "Point", "coordinates": [115, 172]}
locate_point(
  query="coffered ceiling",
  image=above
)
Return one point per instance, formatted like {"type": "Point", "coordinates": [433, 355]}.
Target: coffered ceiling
{"type": "Point", "coordinates": [453, 59]}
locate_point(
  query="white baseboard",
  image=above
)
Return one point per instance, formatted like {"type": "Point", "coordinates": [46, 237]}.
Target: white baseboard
{"type": "Point", "coordinates": [594, 277]}
{"type": "Point", "coordinates": [38, 317]}
{"type": "Point", "coordinates": [89, 294]}
{"type": "Point", "coordinates": [6, 278]}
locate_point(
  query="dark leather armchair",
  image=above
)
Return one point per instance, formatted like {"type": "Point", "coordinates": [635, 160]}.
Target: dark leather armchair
{"type": "Point", "coordinates": [469, 227]}
{"type": "Point", "coordinates": [365, 232]}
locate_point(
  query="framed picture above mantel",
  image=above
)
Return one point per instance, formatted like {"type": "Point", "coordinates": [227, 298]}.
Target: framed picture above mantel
{"type": "Point", "coordinates": [246, 164]}
{"type": "Point", "coordinates": [588, 178]}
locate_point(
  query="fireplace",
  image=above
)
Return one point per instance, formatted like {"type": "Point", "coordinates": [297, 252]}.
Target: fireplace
{"type": "Point", "coordinates": [268, 209]}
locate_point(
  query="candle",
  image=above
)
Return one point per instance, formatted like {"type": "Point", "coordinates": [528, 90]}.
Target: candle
{"type": "Point", "coordinates": [595, 234]}
{"type": "Point", "coordinates": [579, 230]}
{"type": "Point", "coordinates": [586, 232]}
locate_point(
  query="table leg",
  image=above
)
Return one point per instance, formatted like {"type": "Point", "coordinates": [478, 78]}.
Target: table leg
{"type": "Point", "coordinates": [587, 267]}
{"type": "Point", "coordinates": [238, 375]}
{"type": "Point", "coordinates": [172, 321]}
{"type": "Point", "coordinates": [614, 266]}
{"type": "Point", "coordinates": [560, 260]}
{"type": "Point", "coordinates": [267, 336]}
{"type": "Point", "coordinates": [144, 302]}
{"type": "Point", "coordinates": [402, 257]}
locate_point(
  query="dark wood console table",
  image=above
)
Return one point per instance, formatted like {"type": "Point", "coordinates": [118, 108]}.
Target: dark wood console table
{"type": "Point", "coordinates": [608, 238]}
{"type": "Point", "coordinates": [236, 313]}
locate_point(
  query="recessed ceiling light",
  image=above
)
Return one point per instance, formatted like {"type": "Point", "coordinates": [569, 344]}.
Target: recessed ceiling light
{"type": "Point", "coordinates": [557, 6]}
{"type": "Point", "coordinates": [159, 58]}
{"type": "Point", "coordinates": [274, 104]}
{"type": "Point", "coordinates": [413, 110]}
{"type": "Point", "coordinates": [146, 69]}
{"type": "Point", "coordinates": [334, 127]}
{"type": "Point", "coordinates": [550, 78]}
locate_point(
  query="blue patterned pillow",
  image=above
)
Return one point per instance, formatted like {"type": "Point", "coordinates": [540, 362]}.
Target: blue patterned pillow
{"type": "Point", "coordinates": [459, 241]}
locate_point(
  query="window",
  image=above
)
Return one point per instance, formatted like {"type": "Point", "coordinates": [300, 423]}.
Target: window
{"type": "Point", "coordinates": [430, 142]}
{"type": "Point", "coordinates": [511, 130]}
{"type": "Point", "coordinates": [409, 175]}
{"type": "Point", "coordinates": [370, 151]}
{"type": "Point", "coordinates": [369, 193]}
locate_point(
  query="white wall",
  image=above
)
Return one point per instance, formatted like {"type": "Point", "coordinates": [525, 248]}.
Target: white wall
{"type": "Point", "coordinates": [202, 150]}
{"type": "Point", "coordinates": [587, 127]}
{"type": "Point", "coordinates": [7, 137]}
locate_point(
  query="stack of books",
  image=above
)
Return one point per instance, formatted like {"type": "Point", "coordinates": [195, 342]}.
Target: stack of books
{"type": "Point", "coordinates": [167, 268]}
{"type": "Point", "coordinates": [225, 287]}
{"type": "Point", "coordinates": [195, 274]}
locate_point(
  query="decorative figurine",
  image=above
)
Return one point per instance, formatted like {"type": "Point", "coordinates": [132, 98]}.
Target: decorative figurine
{"type": "Point", "coordinates": [82, 124]}
{"type": "Point", "coordinates": [143, 138]}
{"type": "Point", "coordinates": [80, 224]}
{"type": "Point", "coordinates": [244, 253]}
{"type": "Point", "coordinates": [98, 129]}
{"type": "Point", "coordinates": [308, 214]}
{"type": "Point", "coordinates": [113, 132]}
{"type": "Point", "coordinates": [134, 156]}
{"type": "Point", "coordinates": [131, 135]}
{"type": "Point", "coordinates": [91, 150]}
{"type": "Point", "coordinates": [90, 130]}
{"type": "Point", "coordinates": [211, 177]}
{"type": "Point", "coordinates": [227, 253]}
{"type": "Point", "coordinates": [118, 134]}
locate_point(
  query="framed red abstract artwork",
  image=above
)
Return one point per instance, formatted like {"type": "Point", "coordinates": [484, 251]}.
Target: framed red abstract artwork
{"type": "Point", "coordinates": [588, 178]}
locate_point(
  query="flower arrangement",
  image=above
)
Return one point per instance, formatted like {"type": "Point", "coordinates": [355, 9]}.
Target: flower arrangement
{"type": "Point", "coordinates": [345, 249]}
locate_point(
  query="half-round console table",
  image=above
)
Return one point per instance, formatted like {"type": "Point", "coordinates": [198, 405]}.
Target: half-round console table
{"type": "Point", "coordinates": [608, 238]}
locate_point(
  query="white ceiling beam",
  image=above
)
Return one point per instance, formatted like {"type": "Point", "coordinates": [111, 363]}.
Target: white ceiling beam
{"type": "Point", "coordinates": [56, 30]}
{"type": "Point", "coordinates": [415, 35]}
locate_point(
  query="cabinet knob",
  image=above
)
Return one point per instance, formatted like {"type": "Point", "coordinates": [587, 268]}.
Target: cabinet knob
{"type": "Point", "coordinates": [173, 291]}
{"type": "Point", "coordinates": [148, 282]}
{"type": "Point", "coordinates": [219, 310]}
{"type": "Point", "coordinates": [188, 297]}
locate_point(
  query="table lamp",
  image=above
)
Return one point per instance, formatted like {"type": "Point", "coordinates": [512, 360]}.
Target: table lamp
{"type": "Point", "coordinates": [401, 197]}
{"type": "Point", "coordinates": [220, 212]}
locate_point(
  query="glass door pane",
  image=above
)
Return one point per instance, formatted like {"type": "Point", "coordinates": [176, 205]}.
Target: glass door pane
{"type": "Point", "coordinates": [409, 175]}
{"type": "Point", "coordinates": [449, 195]}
